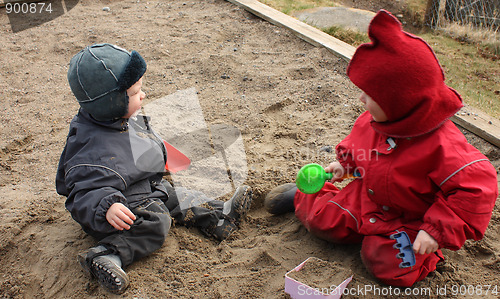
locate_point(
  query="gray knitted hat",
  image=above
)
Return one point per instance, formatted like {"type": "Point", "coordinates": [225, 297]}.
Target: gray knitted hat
{"type": "Point", "coordinates": [99, 77]}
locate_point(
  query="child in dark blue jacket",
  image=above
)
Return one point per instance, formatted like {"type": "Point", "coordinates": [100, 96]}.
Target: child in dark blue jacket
{"type": "Point", "coordinates": [112, 167]}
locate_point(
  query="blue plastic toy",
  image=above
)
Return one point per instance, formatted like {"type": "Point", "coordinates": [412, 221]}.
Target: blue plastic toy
{"type": "Point", "coordinates": [405, 248]}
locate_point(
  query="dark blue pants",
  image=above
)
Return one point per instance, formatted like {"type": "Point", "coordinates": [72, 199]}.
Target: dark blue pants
{"type": "Point", "coordinates": [153, 220]}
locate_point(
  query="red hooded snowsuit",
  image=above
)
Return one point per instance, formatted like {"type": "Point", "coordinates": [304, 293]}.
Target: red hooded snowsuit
{"type": "Point", "coordinates": [436, 182]}
{"type": "Point", "coordinates": [426, 177]}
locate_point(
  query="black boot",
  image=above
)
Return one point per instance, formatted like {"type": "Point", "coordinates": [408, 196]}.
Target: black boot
{"type": "Point", "coordinates": [222, 230]}
{"type": "Point", "coordinates": [233, 212]}
{"type": "Point", "coordinates": [106, 267]}
{"type": "Point", "coordinates": [280, 199]}
{"type": "Point", "coordinates": [238, 206]}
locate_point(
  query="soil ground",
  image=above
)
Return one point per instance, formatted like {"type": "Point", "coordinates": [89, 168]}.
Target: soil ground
{"type": "Point", "coordinates": [290, 100]}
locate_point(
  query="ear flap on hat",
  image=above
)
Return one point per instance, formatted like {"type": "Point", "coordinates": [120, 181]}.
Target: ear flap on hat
{"type": "Point", "coordinates": [385, 30]}
{"type": "Point", "coordinates": [134, 70]}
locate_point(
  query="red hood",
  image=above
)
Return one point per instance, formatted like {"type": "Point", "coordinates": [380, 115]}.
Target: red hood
{"type": "Point", "coordinates": [401, 73]}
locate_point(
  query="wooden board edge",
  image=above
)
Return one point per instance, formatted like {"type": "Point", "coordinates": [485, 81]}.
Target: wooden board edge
{"type": "Point", "coordinates": [306, 32]}
{"type": "Point", "coordinates": [479, 123]}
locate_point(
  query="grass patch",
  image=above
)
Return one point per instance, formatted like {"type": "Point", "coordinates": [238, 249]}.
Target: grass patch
{"type": "Point", "coordinates": [416, 10]}
{"type": "Point", "coordinates": [289, 6]}
{"type": "Point", "coordinates": [476, 78]}
{"type": "Point", "coordinates": [352, 37]}
{"type": "Point", "coordinates": [487, 38]}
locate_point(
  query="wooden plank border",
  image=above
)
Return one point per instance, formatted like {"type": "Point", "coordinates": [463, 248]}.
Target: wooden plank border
{"type": "Point", "coordinates": [469, 118]}
{"type": "Point", "coordinates": [303, 30]}
{"type": "Point", "coordinates": [479, 123]}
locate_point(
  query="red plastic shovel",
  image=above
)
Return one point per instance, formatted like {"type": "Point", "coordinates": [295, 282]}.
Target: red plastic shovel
{"type": "Point", "coordinates": [175, 159]}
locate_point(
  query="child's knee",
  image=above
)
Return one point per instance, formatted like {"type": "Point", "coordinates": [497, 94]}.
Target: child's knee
{"type": "Point", "coordinates": [379, 257]}
{"type": "Point", "coordinates": [156, 216]}
{"type": "Point", "coordinates": [339, 231]}
{"type": "Point", "coordinates": [330, 220]}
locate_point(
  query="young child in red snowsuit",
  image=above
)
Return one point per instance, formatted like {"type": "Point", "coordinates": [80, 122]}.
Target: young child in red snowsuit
{"type": "Point", "coordinates": [418, 173]}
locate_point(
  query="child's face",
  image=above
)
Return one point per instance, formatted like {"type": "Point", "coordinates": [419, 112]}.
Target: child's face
{"type": "Point", "coordinates": [377, 113]}
{"type": "Point", "coordinates": [135, 97]}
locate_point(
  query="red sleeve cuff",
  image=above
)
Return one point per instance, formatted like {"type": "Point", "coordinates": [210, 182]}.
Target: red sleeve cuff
{"type": "Point", "coordinates": [435, 233]}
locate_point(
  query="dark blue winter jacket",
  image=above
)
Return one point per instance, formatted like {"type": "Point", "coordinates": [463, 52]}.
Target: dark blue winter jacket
{"type": "Point", "coordinates": [108, 162]}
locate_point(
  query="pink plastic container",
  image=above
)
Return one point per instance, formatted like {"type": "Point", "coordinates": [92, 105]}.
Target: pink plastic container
{"type": "Point", "coordinates": [299, 290]}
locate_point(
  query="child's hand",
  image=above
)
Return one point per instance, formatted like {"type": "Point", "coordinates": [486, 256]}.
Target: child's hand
{"type": "Point", "coordinates": [424, 243]}
{"type": "Point", "coordinates": [119, 215]}
{"type": "Point", "coordinates": [337, 169]}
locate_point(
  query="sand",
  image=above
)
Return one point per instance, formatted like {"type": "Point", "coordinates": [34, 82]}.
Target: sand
{"type": "Point", "coordinates": [289, 100]}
